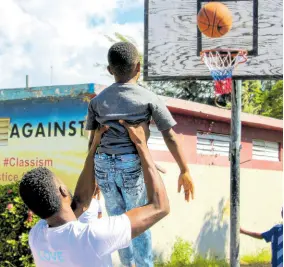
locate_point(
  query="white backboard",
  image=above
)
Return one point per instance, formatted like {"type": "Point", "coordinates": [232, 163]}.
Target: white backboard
{"type": "Point", "coordinates": [173, 41]}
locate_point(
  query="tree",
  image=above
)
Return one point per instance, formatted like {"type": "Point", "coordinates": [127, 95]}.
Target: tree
{"type": "Point", "coordinates": [194, 90]}
{"type": "Point", "coordinates": [250, 89]}
{"type": "Point", "coordinates": [271, 101]}
{"type": "Point", "coordinates": [264, 98]}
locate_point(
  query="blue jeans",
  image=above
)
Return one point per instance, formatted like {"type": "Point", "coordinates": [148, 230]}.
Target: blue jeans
{"type": "Point", "coordinates": [121, 182]}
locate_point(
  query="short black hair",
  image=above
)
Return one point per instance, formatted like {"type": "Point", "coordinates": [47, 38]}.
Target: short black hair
{"type": "Point", "coordinates": [122, 58]}
{"type": "Point", "coordinates": [38, 191]}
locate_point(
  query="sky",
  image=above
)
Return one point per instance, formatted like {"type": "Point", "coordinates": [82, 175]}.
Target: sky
{"type": "Point", "coordinates": [63, 41]}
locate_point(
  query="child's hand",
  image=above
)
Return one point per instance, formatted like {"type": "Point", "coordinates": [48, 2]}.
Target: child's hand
{"type": "Point", "coordinates": [139, 134]}
{"type": "Point", "coordinates": [186, 182]}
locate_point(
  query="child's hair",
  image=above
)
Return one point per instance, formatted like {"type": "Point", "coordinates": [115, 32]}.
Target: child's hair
{"type": "Point", "coordinates": [122, 58]}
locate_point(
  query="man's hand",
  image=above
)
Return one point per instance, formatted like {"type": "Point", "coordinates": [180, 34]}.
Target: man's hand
{"type": "Point", "coordinates": [158, 203]}
{"type": "Point", "coordinates": [186, 182]}
{"type": "Point", "coordinates": [139, 134]}
{"type": "Point", "coordinates": [98, 135]}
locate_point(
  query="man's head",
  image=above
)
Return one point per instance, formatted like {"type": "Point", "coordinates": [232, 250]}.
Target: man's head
{"type": "Point", "coordinates": [124, 62]}
{"type": "Point", "coordinates": [43, 193]}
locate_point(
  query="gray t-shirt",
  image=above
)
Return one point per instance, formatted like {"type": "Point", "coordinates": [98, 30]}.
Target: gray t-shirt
{"type": "Point", "coordinates": [128, 102]}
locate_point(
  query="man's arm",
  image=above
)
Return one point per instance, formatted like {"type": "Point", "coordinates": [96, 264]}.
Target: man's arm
{"type": "Point", "coordinates": [115, 232]}
{"type": "Point", "coordinates": [91, 138]}
{"type": "Point", "coordinates": [251, 234]}
{"type": "Point", "coordinates": [158, 207]}
{"type": "Point", "coordinates": [85, 185]}
{"type": "Point", "coordinates": [176, 150]}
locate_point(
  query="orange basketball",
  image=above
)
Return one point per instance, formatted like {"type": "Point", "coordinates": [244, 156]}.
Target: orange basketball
{"type": "Point", "coordinates": [214, 19]}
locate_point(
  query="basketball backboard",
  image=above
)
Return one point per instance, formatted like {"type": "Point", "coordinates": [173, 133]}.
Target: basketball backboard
{"type": "Point", "coordinates": [173, 41]}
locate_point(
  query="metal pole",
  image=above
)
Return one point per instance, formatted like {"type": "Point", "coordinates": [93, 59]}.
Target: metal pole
{"type": "Point", "coordinates": [235, 172]}
{"type": "Point", "coordinates": [27, 81]}
{"type": "Point", "coordinates": [51, 74]}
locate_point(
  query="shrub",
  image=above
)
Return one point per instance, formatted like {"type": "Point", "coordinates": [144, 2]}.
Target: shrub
{"type": "Point", "coordinates": [182, 253]}
{"type": "Point", "coordinates": [15, 222]}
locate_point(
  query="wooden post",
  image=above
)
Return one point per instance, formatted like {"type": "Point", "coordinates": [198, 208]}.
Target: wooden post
{"type": "Point", "coordinates": [235, 172]}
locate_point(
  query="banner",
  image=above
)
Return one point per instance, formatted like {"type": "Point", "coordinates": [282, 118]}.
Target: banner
{"type": "Point", "coordinates": [46, 132]}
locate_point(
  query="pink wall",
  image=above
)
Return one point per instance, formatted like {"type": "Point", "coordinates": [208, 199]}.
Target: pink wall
{"type": "Point", "coordinates": [188, 126]}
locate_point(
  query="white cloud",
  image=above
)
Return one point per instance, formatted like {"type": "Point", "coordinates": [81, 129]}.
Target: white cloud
{"type": "Point", "coordinates": [35, 35]}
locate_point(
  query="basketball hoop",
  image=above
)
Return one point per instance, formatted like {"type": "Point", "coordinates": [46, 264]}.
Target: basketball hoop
{"type": "Point", "coordinates": [221, 63]}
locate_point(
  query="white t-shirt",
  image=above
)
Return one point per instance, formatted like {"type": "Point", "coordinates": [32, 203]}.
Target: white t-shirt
{"type": "Point", "coordinates": [92, 212]}
{"type": "Point", "coordinates": [77, 244]}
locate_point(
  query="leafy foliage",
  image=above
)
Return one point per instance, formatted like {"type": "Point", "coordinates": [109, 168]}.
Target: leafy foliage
{"type": "Point", "coordinates": [182, 253]}
{"type": "Point", "coordinates": [263, 98]}
{"type": "Point", "coordinates": [15, 222]}
{"type": "Point", "coordinates": [272, 101]}
{"type": "Point", "coordinates": [194, 90]}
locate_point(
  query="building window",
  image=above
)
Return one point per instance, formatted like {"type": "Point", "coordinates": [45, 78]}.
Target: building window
{"type": "Point", "coordinates": [4, 129]}
{"type": "Point", "coordinates": [263, 150]}
{"type": "Point", "coordinates": [213, 144]}
{"type": "Point", "coordinates": [156, 140]}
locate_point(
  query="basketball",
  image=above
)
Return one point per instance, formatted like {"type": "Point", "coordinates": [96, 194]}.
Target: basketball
{"type": "Point", "coordinates": [214, 20]}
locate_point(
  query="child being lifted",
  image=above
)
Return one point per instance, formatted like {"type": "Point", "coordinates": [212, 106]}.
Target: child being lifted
{"type": "Point", "coordinates": [118, 168]}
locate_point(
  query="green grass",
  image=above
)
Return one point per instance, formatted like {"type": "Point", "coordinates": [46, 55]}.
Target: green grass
{"type": "Point", "coordinates": [263, 256]}
{"type": "Point", "coordinates": [183, 255]}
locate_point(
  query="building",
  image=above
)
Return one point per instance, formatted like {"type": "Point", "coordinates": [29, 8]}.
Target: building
{"type": "Point", "coordinates": [206, 131]}
{"type": "Point", "coordinates": [44, 126]}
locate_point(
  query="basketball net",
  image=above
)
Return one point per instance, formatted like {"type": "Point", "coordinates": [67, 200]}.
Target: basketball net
{"type": "Point", "coordinates": [221, 63]}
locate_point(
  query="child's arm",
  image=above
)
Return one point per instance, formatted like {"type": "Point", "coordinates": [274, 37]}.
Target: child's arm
{"type": "Point", "coordinates": [267, 236]}
{"type": "Point", "coordinates": [165, 122]}
{"type": "Point", "coordinates": [251, 234]}
{"type": "Point", "coordinates": [185, 179]}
